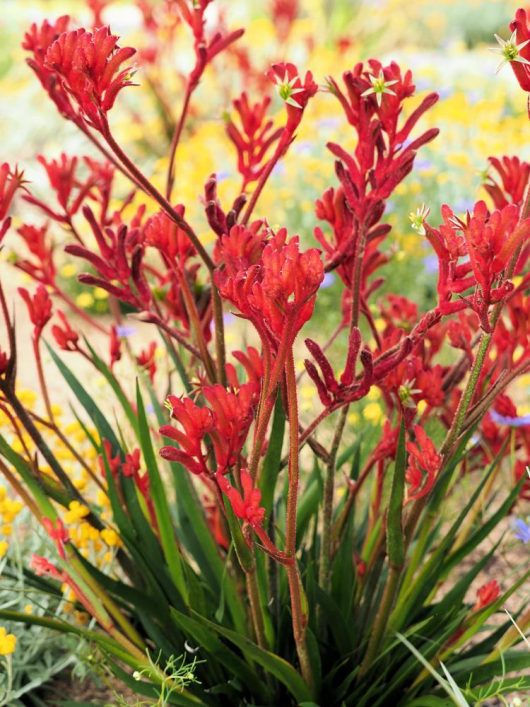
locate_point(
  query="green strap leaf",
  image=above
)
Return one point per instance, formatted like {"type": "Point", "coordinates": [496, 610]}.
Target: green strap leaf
{"type": "Point", "coordinates": [395, 541]}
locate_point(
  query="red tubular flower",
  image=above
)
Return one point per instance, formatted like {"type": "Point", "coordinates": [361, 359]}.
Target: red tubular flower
{"type": "Point", "coordinates": [70, 190]}
{"type": "Point", "coordinates": [276, 289]}
{"type": "Point", "coordinates": [521, 69]}
{"type": "Point", "coordinates": [65, 337]}
{"type": "Point", "coordinates": [226, 423]}
{"type": "Point", "coordinates": [423, 465]}
{"type": "Point", "coordinates": [252, 362]}
{"type": "Point", "coordinates": [88, 66]}
{"type": "Point", "coordinates": [39, 308]}
{"type": "Point", "coordinates": [246, 506]}
{"type": "Point", "coordinates": [58, 533]}
{"type": "Point", "coordinates": [10, 181]}
{"type": "Point", "coordinates": [120, 259]}
{"type": "Point", "coordinates": [295, 93]}
{"type": "Point", "coordinates": [253, 139]}
{"type": "Point", "coordinates": [42, 266]}
{"type": "Point", "coordinates": [490, 240]}
{"type": "Point", "coordinates": [487, 594]}
{"type": "Point", "coordinates": [513, 174]}
{"type": "Point", "coordinates": [146, 360]}
{"type": "Point", "coordinates": [131, 465]}
{"type": "Point", "coordinates": [114, 346]}
{"type": "Point", "coordinates": [333, 392]}
{"type": "Point", "coordinates": [284, 13]}
{"type": "Point", "coordinates": [196, 423]}
{"type": "Point", "coordinates": [206, 49]}
{"type": "Point", "coordinates": [233, 415]}
{"type": "Point", "coordinates": [37, 40]}
{"type": "Point", "coordinates": [41, 566]}
{"type": "Point", "coordinates": [96, 8]}
{"type": "Point", "coordinates": [114, 463]}
{"type": "Point", "coordinates": [162, 233]}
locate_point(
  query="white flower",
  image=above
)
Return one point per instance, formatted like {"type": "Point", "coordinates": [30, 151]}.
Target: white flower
{"type": "Point", "coordinates": [286, 89]}
{"type": "Point", "coordinates": [379, 86]}
{"type": "Point", "coordinates": [510, 50]}
{"type": "Point", "coordinates": [417, 219]}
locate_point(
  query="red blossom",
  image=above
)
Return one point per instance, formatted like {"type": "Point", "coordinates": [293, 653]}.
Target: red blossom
{"type": "Point", "coordinates": [41, 267]}
{"type": "Point", "coordinates": [295, 93]}
{"type": "Point", "coordinates": [520, 25]}
{"type": "Point", "coordinates": [131, 465]}
{"type": "Point", "coordinates": [43, 567]}
{"type": "Point", "coordinates": [226, 422]}
{"type": "Point", "coordinates": [106, 458]}
{"type": "Point", "coordinates": [10, 181]}
{"type": "Point", "coordinates": [58, 533]}
{"type": "Point", "coordinates": [247, 505]}
{"type": "Point", "coordinates": [423, 465]}
{"type": "Point", "coordinates": [146, 360]}
{"type": "Point", "coordinates": [196, 422]}
{"type": "Point", "coordinates": [39, 308]}
{"type": "Point", "coordinates": [118, 264]}
{"type": "Point", "coordinates": [284, 13]}
{"type": "Point", "coordinates": [487, 594]}
{"type": "Point", "coordinates": [206, 48]}
{"type": "Point", "coordinates": [65, 337]}
{"type": "Point", "coordinates": [513, 173]}
{"type": "Point", "coordinates": [253, 138]}
{"type": "Point", "coordinates": [37, 40]}
{"type": "Point", "coordinates": [114, 346]}
{"type": "Point", "coordinates": [276, 291]}
{"type": "Point", "coordinates": [162, 233]}
{"type": "Point", "coordinates": [489, 240]}
{"type": "Point", "coordinates": [88, 66]}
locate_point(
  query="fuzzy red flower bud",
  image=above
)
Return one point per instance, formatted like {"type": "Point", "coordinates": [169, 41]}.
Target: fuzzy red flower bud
{"type": "Point", "coordinates": [39, 308]}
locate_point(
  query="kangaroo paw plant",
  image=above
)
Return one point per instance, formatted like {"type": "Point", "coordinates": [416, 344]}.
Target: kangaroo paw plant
{"type": "Point", "coordinates": [198, 516]}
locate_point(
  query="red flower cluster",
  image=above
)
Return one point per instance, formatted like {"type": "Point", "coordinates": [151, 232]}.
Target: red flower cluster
{"type": "Point", "coordinates": [226, 422]}
{"type": "Point", "coordinates": [79, 69]}
{"type": "Point", "coordinates": [269, 280]}
{"type": "Point", "coordinates": [489, 241]}
{"type": "Point", "coordinates": [513, 174]}
{"type": "Point", "coordinates": [39, 308]}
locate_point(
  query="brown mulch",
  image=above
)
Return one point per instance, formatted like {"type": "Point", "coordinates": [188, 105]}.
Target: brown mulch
{"type": "Point", "coordinates": [66, 687]}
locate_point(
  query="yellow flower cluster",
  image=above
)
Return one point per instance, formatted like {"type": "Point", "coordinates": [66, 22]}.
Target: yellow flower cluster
{"type": "Point", "coordinates": [9, 509]}
{"type": "Point", "coordinates": [8, 642]}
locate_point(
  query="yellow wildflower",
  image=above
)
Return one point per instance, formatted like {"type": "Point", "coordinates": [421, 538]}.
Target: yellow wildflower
{"type": "Point", "coordinates": [76, 512]}
{"type": "Point", "coordinates": [8, 642]}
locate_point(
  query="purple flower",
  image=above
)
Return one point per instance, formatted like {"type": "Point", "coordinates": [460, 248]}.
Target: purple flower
{"type": "Point", "coordinates": [125, 331]}
{"type": "Point", "coordinates": [522, 530]}
{"type": "Point", "coordinates": [522, 421]}
{"type": "Point", "coordinates": [328, 280]}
